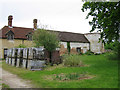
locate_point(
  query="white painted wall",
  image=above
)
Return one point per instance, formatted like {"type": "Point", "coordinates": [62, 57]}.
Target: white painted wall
{"type": "Point", "coordinates": [95, 45]}
{"type": "Point", "coordinates": [84, 46]}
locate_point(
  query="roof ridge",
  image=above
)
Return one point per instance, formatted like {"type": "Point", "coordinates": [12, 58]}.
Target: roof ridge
{"type": "Point", "coordinates": [92, 33]}
{"type": "Point", "coordinates": [19, 27]}
{"type": "Point", "coordinates": [67, 32]}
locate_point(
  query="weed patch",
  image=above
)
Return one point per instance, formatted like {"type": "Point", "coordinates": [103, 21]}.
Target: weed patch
{"type": "Point", "coordinates": [72, 61]}
{"type": "Point", "coordinates": [70, 76]}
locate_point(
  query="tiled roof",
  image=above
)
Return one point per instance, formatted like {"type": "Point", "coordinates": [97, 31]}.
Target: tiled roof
{"type": "Point", "coordinates": [72, 37]}
{"type": "Point", "coordinates": [20, 33]}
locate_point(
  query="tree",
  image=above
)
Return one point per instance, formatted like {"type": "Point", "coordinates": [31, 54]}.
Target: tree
{"type": "Point", "coordinates": [48, 39]}
{"type": "Point", "coordinates": [106, 18]}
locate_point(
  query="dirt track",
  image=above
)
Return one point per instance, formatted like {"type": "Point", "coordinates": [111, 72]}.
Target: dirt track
{"type": "Point", "coordinates": [13, 81]}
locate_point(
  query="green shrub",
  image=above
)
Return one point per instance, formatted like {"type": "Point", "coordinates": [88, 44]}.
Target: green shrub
{"type": "Point", "coordinates": [21, 46]}
{"type": "Point", "coordinates": [115, 54]}
{"type": "Point", "coordinates": [110, 46]}
{"type": "Point", "coordinates": [72, 60]}
{"type": "Point", "coordinates": [2, 59]}
{"type": "Point", "coordinates": [80, 53]}
{"type": "Point", "coordinates": [6, 86]}
{"type": "Point", "coordinates": [117, 49]}
{"type": "Point", "coordinates": [112, 56]}
{"type": "Point", "coordinates": [89, 52]}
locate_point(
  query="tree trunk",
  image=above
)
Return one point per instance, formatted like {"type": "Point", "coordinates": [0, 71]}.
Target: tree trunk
{"type": "Point", "coordinates": [50, 56]}
{"type": "Point", "coordinates": [51, 62]}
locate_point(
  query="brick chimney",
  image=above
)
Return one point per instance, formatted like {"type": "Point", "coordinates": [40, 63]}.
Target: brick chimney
{"type": "Point", "coordinates": [35, 24]}
{"type": "Point", "coordinates": [10, 20]}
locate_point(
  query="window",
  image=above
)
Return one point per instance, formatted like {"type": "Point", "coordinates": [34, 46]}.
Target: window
{"type": "Point", "coordinates": [29, 36]}
{"type": "Point", "coordinates": [78, 49]}
{"type": "Point", "coordinates": [10, 37]}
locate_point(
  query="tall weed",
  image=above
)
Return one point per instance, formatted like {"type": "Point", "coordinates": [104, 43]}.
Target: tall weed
{"type": "Point", "coordinates": [72, 60]}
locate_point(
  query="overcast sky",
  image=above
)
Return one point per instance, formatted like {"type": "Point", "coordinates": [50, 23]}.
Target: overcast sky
{"type": "Point", "coordinates": [61, 15]}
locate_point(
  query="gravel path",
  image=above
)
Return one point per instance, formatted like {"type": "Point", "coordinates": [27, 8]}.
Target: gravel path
{"type": "Point", "coordinates": [13, 81]}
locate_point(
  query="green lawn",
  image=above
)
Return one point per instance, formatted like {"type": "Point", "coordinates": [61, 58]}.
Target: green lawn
{"type": "Point", "coordinates": [104, 72]}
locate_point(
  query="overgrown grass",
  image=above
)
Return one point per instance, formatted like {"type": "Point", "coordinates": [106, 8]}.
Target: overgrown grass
{"type": "Point", "coordinates": [70, 76]}
{"type": "Point", "coordinates": [72, 60]}
{"type": "Point", "coordinates": [5, 86]}
{"type": "Point", "coordinates": [104, 70]}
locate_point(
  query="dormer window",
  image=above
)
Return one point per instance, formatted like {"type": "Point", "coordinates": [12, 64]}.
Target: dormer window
{"type": "Point", "coordinates": [29, 36]}
{"type": "Point", "coordinates": [10, 35]}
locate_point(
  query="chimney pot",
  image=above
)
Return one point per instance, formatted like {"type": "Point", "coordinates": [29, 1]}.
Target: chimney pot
{"type": "Point", "coordinates": [10, 20]}
{"type": "Point", "coordinates": [35, 24]}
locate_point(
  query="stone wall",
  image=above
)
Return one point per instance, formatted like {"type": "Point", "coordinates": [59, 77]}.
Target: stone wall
{"type": "Point", "coordinates": [95, 45]}
{"type": "Point", "coordinates": [4, 43]}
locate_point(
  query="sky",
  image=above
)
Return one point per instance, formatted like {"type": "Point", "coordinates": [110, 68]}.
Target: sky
{"type": "Point", "coordinates": [59, 15]}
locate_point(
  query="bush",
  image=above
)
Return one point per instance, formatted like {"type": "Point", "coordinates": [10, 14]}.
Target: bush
{"type": "Point", "coordinates": [112, 56]}
{"type": "Point", "coordinates": [89, 52]}
{"type": "Point", "coordinates": [115, 54]}
{"type": "Point", "coordinates": [109, 46]}
{"type": "Point", "coordinates": [2, 59]}
{"type": "Point", "coordinates": [6, 86]}
{"type": "Point", "coordinates": [72, 60]}
{"type": "Point", "coordinates": [21, 46]}
{"type": "Point", "coordinates": [117, 49]}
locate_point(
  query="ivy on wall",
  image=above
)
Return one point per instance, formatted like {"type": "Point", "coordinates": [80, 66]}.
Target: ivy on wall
{"type": "Point", "coordinates": [68, 47]}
